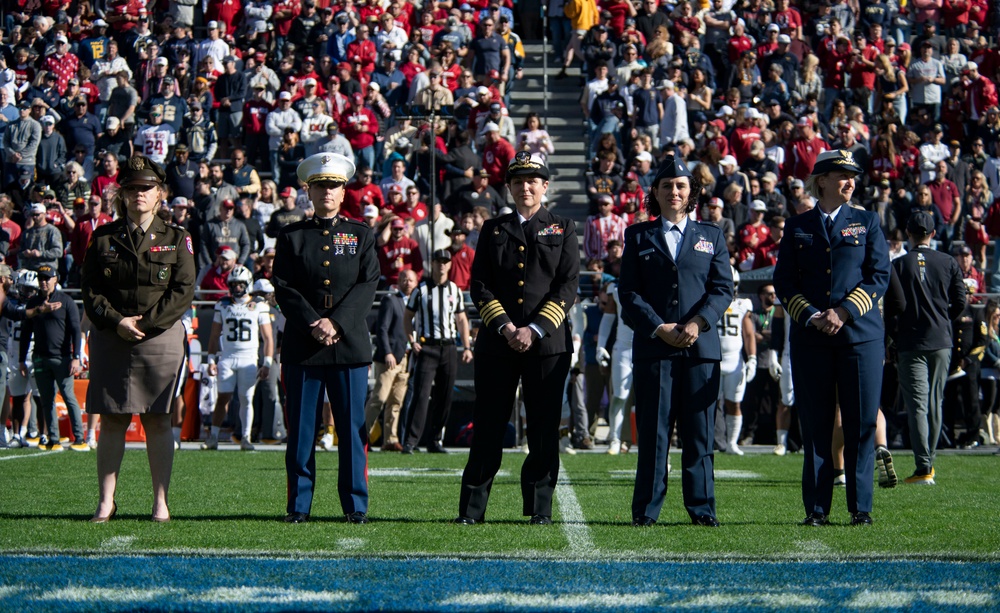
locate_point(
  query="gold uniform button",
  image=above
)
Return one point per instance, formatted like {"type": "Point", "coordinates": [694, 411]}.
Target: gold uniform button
{"type": "Point", "coordinates": [326, 233]}
{"type": "Point", "coordinates": [326, 282]}
{"type": "Point", "coordinates": [326, 247]}
{"type": "Point", "coordinates": [107, 272]}
{"type": "Point", "coordinates": [828, 271]}
{"type": "Point", "coordinates": [520, 283]}
{"type": "Point", "coordinates": [520, 264]}
{"type": "Point", "coordinates": [520, 248]}
{"type": "Point", "coordinates": [856, 242]}
{"type": "Point", "coordinates": [828, 250]}
{"type": "Point", "coordinates": [828, 293]}
{"type": "Point", "coordinates": [520, 300]}
{"type": "Point", "coordinates": [326, 262]}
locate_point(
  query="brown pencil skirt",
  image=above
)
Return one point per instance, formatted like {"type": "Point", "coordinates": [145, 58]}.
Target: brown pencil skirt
{"type": "Point", "coordinates": [133, 378]}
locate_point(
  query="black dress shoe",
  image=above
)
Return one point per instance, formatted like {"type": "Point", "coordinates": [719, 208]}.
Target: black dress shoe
{"type": "Point", "coordinates": [540, 520]}
{"type": "Point", "coordinates": [407, 450]}
{"type": "Point", "coordinates": [815, 519]}
{"type": "Point", "coordinates": [296, 518]}
{"type": "Point", "coordinates": [357, 517]}
{"type": "Point", "coordinates": [436, 448]}
{"type": "Point", "coordinates": [705, 520]}
{"type": "Point", "coordinates": [464, 521]}
{"type": "Point", "coordinates": [643, 522]}
{"type": "Point", "coordinates": [861, 519]}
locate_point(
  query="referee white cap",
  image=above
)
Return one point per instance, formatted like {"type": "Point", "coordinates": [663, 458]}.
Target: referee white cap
{"type": "Point", "coordinates": [325, 167]}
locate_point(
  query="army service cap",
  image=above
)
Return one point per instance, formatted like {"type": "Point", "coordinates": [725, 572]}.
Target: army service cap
{"type": "Point", "coordinates": [140, 170]}
{"type": "Point", "coordinates": [325, 167]}
{"type": "Point", "coordinates": [526, 165]}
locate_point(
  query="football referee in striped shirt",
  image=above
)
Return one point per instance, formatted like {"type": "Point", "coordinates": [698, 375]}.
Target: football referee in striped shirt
{"type": "Point", "coordinates": [438, 308]}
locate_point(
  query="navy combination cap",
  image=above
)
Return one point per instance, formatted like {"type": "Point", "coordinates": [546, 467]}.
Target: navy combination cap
{"type": "Point", "coordinates": [920, 224]}
{"type": "Point", "coordinates": [526, 165]}
{"type": "Point", "coordinates": [838, 159]}
{"type": "Point", "coordinates": [140, 170]}
{"type": "Point", "coordinates": [671, 168]}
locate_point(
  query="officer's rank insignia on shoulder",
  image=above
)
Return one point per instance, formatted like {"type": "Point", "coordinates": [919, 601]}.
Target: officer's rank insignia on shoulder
{"type": "Point", "coordinates": [854, 230]}
{"type": "Point", "coordinates": [160, 248]}
{"type": "Point", "coordinates": [553, 230]}
{"type": "Point", "coordinates": [705, 246]}
{"type": "Point", "coordinates": [343, 240]}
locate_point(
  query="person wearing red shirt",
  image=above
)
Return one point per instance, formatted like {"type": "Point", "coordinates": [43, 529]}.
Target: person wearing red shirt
{"type": "Point", "coordinates": [802, 151]}
{"type": "Point", "coordinates": [62, 63]}
{"type": "Point", "coordinates": [619, 9]}
{"type": "Point", "coordinates": [462, 256]}
{"type": "Point", "coordinates": [497, 154]}
{"type": "Point", "coordinates": [428, 29]}
{"type": "Point", "coordinates": [981, 93]}
{"type": "Point", "coordinates": [770, 44]}
{"type": "Point", "coordinates": [788, 19]}
{"type": "Point", "coordinates": [255, 111]}
{"type": "Point", "coordinates": [285, 12]}
{"type": "Point", "coordinates": [309, 72]}
{"type": "Point", "coordinates": [217, 276]}
{"type": "Point", "coordinates": [767, 253]}
{"type": "Point", "coordinates": [946, 198]}
{"type": "Point", "coordinates": [79, 236]}
{"type": "Point", "coordinates": [739, 42]}
{"type": "Point", "coordinates": [750, 235]}
{"type": "Point", "coordinates": [108, 175]}
{"type": "Point", "coordinates": [411, 207]}
{"type": "Point", "coordinates": [228, 12]}
{"type": "Point", "coordinates": [862, 67]}
{"type": "Point", "coordinates": [742, 138]}
{"type": "Point", "coordinates": [631, 199]}
{"type": "Point", "coordinates": [399, 253]}
{"type": "Point", "coordinates": [359, 125]}
{"type": "Point", "coordinates": [363, 48]}
{"type": "Point", "coordinates": [123, 15]}
{"type": "Point", "coordinates": [360, 192]}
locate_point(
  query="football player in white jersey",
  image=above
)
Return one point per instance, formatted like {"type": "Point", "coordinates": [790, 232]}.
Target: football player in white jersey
{"type": "Point", "coordinates": [240, 323]}
{"type": "Point", "coordinates": [780, 369]}
{"type": "Point", "coordinates": [620, 361]}
{"type": "Point", "coordinates": [19, 386]}
{"type": "Point", "coordinates": [736, 333]}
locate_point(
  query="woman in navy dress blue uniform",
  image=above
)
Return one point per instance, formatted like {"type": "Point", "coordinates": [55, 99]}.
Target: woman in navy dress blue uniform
{"type": "Point", "coordinates": [832, 269]}
{"type": "Point", "coordinates": [675, 285]}
{"type": "Point", "coordinates": [325, 273]}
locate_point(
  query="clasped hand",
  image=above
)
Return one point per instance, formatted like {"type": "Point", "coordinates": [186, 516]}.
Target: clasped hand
{"type": "Point", "coordinates": [325, 331]}
{"type": "Point", "coordinates": [519, 339]}
{"type": "Point", "coordinates": [830, 321]}
{"type": "Point", "coordinates": [678, 335]}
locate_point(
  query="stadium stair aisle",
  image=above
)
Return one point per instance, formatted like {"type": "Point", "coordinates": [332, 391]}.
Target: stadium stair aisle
{"type": "Point", "coordinates": [564, 124]}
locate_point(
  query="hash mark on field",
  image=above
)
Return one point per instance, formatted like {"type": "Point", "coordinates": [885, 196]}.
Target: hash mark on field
{"type": "Point", "coordinates": [813, 548]}
{"type": "Point", "coordinates": [118, 542]}
{"type": "Point", "coordinates": [574, 524]}
{"type": "Point", "coordinates": [6, 591]}
{"type": "Point", "coordinates": [719, 474]}
{"type": "Point", "coordinates": [422, 472]}
{"type": "Point", "coordinates": [551, 601]}
{"type": "Point", "coordinates": [351, 544]}
{"type": "Point", "coordinates": [869, 599]}
{"type": "Point", "coordinates": [28, 455]}
{"type": "Point", "coordinates": [272, 595]}
{"type": "Point", "coordinates": [103, 594]}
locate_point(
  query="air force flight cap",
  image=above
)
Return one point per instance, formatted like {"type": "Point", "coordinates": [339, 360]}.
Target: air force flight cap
{"type": "Point", "coordinates": [838, 159]}
{"type": "Point", "coordinates": [325, 167]}
{"type": "Point", "coordinates": [526, 165]}
{"type": "Point", "coordinates": [671, 168]}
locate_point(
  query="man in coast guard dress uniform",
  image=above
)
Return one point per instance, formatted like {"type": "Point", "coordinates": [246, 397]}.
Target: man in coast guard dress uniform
{"type": "Point", "coordinates": [524, 282]}
{"type": "Point", "coordinates": [676, 283]}
{"type": "Point", "coordinates": [325, 273]}
{"type": "Point", "coordinates": [833, 267]}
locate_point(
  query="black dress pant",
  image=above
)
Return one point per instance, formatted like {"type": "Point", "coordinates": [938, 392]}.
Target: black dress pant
{"type": "Point", "coordinates": [437, 365]}
{"type": "Point", "coordinates": [496, 378]}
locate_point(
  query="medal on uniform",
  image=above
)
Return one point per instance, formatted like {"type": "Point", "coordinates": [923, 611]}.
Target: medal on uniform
{"type": "Point", "coordinates": [338, 250]}
{"type": "Point", "coordinates": [162, 274]}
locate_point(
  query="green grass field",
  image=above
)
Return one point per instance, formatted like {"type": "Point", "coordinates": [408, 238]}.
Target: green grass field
{"type": "Point", "coordinates": [232, 502]}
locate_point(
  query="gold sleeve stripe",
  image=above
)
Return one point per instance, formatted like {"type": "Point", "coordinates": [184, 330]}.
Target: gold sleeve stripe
{"type": "Point", "coordinates": [547, 315]}
{"type": "Point", "coordinates": [978, 352]}
{"type": "Point", "coordinates": [552, 312]}
{"type": "Point", "coordinates": [853, 300]}
{"type": "Point", "coordinates": [489, 305]}
{"type": "Point", "coordinates": [796, 306]}
{"type": "Point", "coordinates": [861, 299]}
{"type": "Point", "coordinates": [555, 307]}
{"type": "Point", "coordinates": [491, 313]}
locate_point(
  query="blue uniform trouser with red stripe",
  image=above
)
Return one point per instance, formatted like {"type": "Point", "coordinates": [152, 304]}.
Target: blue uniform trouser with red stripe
{"type": "Point", "coordinates": [346, 387]}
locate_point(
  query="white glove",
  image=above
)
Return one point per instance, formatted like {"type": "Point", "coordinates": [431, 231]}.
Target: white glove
{"type": "Point", "coordinates": [774, 368]}
{"type": "Point", "coordinates": [603, 357]}
{"type": "Point", "coordinates": [751, 368]}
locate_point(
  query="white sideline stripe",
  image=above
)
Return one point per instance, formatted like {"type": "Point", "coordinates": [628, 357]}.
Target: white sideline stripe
{"type": "Point", "coordinates": [221, 595]}
{"type": "Point", "coordinates": [422, 472]}
{"type": "Point", "coordinates": [574, 524]}
{"type": "Point", "coordinates": [263, 595]}
{"type": "Point", "coordinates": [868, 599]}
{"type": "Point", "coordinates": [778, 600]}
{"type": "Point", "coordinates": [551, 601]}
{"type": "Point", "coordinates": [719, 474]}
{"type": "Point", "coordinates": [102, 594]}
{"type": "Point", "coordinates": [29, 455]}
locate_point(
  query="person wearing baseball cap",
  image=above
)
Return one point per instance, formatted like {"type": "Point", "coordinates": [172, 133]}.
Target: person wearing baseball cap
{"type": "Point", "coordinates": [524, 281]}
{"type": "Point", "coordinates": [325, 275]}
{"type": "Point", "coordinates": [676, 283]}
{"type": "Point", "coordinates": [138, 277]}
{"type": "Point", "coordinates": [832, 269]}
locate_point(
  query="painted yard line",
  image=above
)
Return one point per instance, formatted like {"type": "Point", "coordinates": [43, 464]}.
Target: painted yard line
{"type": "Point", "coordinates": [574, 524]}
{"type": "Point", "coordinates": [548, 602]}
{"type": "Point", "coordinates": [719, 474]}
{"type": "Point", "coordinates": [30, 455]}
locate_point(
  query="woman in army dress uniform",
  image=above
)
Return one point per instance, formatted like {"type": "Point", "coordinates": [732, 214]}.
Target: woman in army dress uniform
{"type": "Point", "coordinates": [138, 280]}
{"type": "Point", "coordinates": [833, 267]}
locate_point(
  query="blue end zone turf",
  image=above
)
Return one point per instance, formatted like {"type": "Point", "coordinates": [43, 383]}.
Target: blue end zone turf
{"type": "Point", "coordinates": [126, 583]}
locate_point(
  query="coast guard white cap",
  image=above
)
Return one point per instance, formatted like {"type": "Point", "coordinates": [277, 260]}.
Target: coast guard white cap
{"type": "Point", "coordinates": [325, 167]}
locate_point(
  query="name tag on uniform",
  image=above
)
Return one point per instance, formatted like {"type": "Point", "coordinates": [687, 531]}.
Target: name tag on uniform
{"type": "Point", "coordinates": [342, 241]}
{"type": "Point", "coordinates": [161, 248]}
{"type": "Point", "coordinates": [646, 252]}
{"type": "Point", "coordinates": [854, 230]}
{"type": "Point", "coordinates": [705, 246]}
{"type": "Point", "coordinates": [553, 230]}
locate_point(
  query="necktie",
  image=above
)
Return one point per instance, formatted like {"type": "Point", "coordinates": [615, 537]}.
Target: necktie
{"type": "Point", "coordinates": [137, 237]}
{"type": "Point", "coordinates": [674, 238]}
{"type": "Point", "coordinates": [829, 227]}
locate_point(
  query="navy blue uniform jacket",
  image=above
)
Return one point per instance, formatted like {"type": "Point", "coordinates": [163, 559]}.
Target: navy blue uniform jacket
{"type": "Point", "coordinates": [526, 276]}
{"type": "Point", "coordinates": [654, 289]}
{"type": "Point", "coordinates": [326, 268]}
{"type": "Point", "coordinates": [815, 273]}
